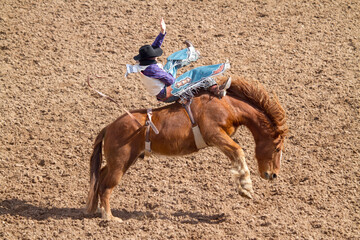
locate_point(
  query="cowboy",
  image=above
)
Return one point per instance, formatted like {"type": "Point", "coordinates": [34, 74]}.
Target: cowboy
{"type": "Point", "coordinates": [158, 79]}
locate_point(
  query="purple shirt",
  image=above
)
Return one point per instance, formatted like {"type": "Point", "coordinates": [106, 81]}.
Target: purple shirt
{"type": "Point", "coordinates": [154, 71]}
{"type": "Point", "coordinates": [158, 40]}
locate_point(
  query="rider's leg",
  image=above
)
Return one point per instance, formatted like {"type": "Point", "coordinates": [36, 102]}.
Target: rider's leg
{"type": "Point", "coordinates": [166, 96]}
{"type": "Point", "coordinates": [198, 78]}
{"type": "Point", "coordinates": [172, 67]}
{"type": "Point", "coordinates": [181, 58]}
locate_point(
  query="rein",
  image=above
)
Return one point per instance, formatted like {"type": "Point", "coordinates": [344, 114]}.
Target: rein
{"type": "Point", "coordinates": [112, 100]}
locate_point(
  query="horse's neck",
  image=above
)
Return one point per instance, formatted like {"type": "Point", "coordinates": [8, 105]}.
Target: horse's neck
{"type": "Point", "coordinates": [250, 117]}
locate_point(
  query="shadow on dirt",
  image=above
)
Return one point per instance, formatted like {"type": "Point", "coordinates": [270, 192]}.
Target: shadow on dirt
{"type": "Point", "coordinates": [183, 217]}
{"type": "Point", "coordinates": [195, 218]}
{"type": "Point", "coordinates": [17, 207]}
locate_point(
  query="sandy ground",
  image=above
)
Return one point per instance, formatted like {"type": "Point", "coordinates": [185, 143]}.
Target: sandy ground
{"type": "Point", "coordinates": [306, 52]}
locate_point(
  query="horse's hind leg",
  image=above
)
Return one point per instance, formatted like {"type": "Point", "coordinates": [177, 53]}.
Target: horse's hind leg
{"type": "Point", "coordinates": [109, 178]}
{"type": "Point", "coordinates": [239, 168]}
{"type": "Point", "coordinates": [118, 162]}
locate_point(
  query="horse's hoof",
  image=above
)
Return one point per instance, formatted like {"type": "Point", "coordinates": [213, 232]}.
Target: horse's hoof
{"type": "Point", "coordinates": [108, 216]}
{"type": "Point", "coordinates": [116, 219]}
{"type": "Point", "coordinates": [112, 218]}
{"type": "Point", "coordinates": [246, 193]}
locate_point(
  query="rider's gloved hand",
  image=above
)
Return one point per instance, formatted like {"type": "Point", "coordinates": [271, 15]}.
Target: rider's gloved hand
{"type": "Point", "coordinates": [163, 26]}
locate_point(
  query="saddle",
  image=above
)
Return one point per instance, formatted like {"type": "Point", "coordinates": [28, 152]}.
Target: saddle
{"type": "Point", "coordinates": [220, 92]}
{"type": "Point", "coordinates": [199, 140]}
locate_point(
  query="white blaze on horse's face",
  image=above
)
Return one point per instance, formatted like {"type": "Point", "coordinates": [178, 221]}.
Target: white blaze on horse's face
{"type": "Point", "coordinates": [269, 159]}
{"type": "Point", "coordinates": [277, 158]}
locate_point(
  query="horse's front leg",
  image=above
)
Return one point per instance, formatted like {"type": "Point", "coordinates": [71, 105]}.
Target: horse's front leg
{"type": "Point", "coordinates": [239, 168]}
{"type": "Point", "coordinates": [241, 174]}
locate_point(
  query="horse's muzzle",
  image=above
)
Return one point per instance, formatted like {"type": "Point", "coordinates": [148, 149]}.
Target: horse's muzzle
{"type": "Point", "coordinates": [270, 176]}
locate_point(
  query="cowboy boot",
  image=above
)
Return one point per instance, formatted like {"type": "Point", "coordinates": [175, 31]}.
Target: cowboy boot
{"type": "Point", "coordinates": [193, 53]}
{"type": "Point", "coordinates": [220, 92]}
{"type": "Point", "coordinates": [188, 43]}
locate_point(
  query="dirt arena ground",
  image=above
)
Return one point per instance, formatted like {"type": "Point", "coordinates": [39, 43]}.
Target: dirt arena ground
{"type": "Point", "coordinates": [307, 52]}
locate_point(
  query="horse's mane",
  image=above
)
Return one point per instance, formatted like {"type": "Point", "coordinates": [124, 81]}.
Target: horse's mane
{"type": "Point", "coordinates": [256, 95]}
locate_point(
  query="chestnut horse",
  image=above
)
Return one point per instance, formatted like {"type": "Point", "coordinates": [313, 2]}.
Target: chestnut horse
{"type": "Point", "coordinates": [245, 104]}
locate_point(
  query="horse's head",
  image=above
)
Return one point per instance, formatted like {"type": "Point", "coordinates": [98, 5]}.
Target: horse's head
{"type": "Point", "coordinates": [266, 119]}
{"type": "Point", "coordinates": [268, 154]}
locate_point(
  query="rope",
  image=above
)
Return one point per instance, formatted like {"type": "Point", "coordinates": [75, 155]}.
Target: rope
{"type": "Point", "coordinates": [112, 100]}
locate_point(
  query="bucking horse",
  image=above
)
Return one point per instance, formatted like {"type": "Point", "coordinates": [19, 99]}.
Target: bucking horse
{"type": "Point", "coordinates": [249, 104]}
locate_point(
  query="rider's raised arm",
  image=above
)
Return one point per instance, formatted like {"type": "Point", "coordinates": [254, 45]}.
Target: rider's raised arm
{"type": "Point", "coordinates": [160, 38]}
{"type": "Point", "coordinates": [158, 41]}
{"type": "Point", "coordinates": [163, 26]}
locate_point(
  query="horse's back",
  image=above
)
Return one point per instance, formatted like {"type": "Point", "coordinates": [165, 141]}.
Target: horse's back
{"type": "Point", "coordinates": [175, 129]}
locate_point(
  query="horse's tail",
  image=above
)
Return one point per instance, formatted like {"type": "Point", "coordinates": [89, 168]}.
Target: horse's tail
{"type": "Point", "coordinates": [95, 166]}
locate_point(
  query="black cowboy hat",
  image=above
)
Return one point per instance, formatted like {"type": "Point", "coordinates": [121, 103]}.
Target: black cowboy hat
{"type": "Point", "coordinates": [147, 51]}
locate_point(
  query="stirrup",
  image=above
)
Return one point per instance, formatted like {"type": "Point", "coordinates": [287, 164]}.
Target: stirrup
{"type": "Point", "coordinates": [226, 84]}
